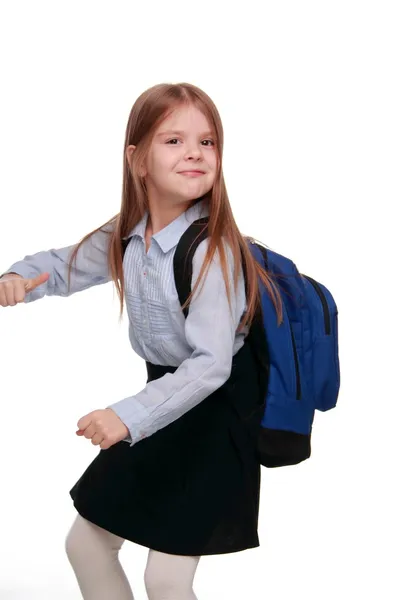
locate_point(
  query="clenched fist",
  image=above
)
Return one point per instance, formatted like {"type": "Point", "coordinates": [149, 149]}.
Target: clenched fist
{"type": "Point", "coordinates": [13, 287]}
{"type": "Point", "coordinates": [103, 427]}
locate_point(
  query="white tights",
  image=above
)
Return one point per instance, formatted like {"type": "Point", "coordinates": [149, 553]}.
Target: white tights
{"type": "Point", "coordinates": [93, 554]}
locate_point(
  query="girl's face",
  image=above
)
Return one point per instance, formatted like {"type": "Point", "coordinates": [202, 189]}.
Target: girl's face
{"type": "Point", "coordinates": [182, 160]}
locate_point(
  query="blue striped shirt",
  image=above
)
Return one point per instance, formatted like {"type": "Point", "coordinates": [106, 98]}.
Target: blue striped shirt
{"type": "Point", "coordinates": [201, 346]}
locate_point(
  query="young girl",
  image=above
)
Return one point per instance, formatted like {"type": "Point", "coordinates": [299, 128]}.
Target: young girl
{"type": "Point", "coordinates": [177, 470]}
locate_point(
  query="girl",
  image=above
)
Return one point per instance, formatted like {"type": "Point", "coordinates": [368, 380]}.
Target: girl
{"type": "Point", "coordinates": [177, 470]}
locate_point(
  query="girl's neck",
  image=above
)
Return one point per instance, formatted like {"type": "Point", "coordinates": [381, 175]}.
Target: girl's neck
{"type": "Point", "coordinates": [161, 216]}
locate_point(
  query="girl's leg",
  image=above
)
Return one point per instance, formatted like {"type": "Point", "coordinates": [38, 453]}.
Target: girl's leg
{"type": "Point", "coordinates": [93, 554]}
{"type": "Point", "coordinates": [169, 576]}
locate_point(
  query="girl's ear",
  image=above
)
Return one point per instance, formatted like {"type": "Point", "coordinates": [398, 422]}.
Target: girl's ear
{"type": "Point", "coordinates": [129, 154]}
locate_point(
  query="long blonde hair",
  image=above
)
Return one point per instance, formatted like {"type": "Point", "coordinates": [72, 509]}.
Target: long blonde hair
{"type": "Point", "coordinates": [148, 112]}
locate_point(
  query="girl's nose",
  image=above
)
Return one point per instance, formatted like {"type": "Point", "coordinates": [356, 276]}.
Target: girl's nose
{"type": "Point", "coordinates": [193, 152]}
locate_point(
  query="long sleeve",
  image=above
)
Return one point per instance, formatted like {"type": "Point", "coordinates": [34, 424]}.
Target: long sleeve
{"type": "Point", "coordinates": [210, 329]}
{"type": "Point", "coordinates": [91, 267]}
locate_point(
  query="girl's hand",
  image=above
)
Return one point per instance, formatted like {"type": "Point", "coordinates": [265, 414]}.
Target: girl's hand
{"type": "Point", "coordinates": [103, 427]}
{"type": "Point", "coordinates": [13, 287]}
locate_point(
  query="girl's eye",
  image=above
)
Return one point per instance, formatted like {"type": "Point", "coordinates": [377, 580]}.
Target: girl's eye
{"type": "Point", "coordinates": [173, 140]}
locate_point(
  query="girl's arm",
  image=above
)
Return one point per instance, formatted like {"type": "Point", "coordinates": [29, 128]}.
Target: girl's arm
{"type": "Point", "coordinates": [91, 267]}
{"type": "Point", "coordinates": [210, 329]}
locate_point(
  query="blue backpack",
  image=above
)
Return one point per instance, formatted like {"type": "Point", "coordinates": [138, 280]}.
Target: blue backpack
{"type": "Point", "coordinates": [301, 354]}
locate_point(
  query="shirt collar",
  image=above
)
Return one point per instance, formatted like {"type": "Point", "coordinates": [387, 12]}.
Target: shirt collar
{"type": "Point", "coordinates": [169, 236]}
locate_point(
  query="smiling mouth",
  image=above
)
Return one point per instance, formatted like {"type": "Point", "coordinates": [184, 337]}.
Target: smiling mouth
{"type": "Point", "coordinates": [192, 173]}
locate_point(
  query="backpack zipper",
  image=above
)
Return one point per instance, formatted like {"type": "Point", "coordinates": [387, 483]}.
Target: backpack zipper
{"type": "Point", "coordinates": [324, 303]}
{"type": "Point", "coordinates": [296, 364]}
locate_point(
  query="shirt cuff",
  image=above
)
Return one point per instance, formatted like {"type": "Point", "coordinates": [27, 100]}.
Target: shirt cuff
{"type": "Point", "coordinates": [24, 270]}
{"type": "Point", "coordinates": [132, 414]}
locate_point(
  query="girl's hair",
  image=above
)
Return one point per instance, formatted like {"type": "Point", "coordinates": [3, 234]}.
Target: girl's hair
{"type": "Point", "coordinates": [151, 108]}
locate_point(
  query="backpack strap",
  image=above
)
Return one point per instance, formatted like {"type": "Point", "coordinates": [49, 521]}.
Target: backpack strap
{"type": "Point", "coordinates": [187, 245]}
{"type": "Point", "coordinates": [183, 257]}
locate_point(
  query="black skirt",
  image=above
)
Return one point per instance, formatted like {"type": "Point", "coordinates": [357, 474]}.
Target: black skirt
{"type": "Point", "coordinates": [193, 487]}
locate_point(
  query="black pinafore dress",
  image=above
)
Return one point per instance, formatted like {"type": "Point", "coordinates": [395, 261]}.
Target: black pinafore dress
{"type": "Point", "coordinates": [193, 487]}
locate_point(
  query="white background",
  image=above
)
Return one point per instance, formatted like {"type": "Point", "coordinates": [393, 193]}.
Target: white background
{"type": "Point", "coordinates": [309, 97]}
